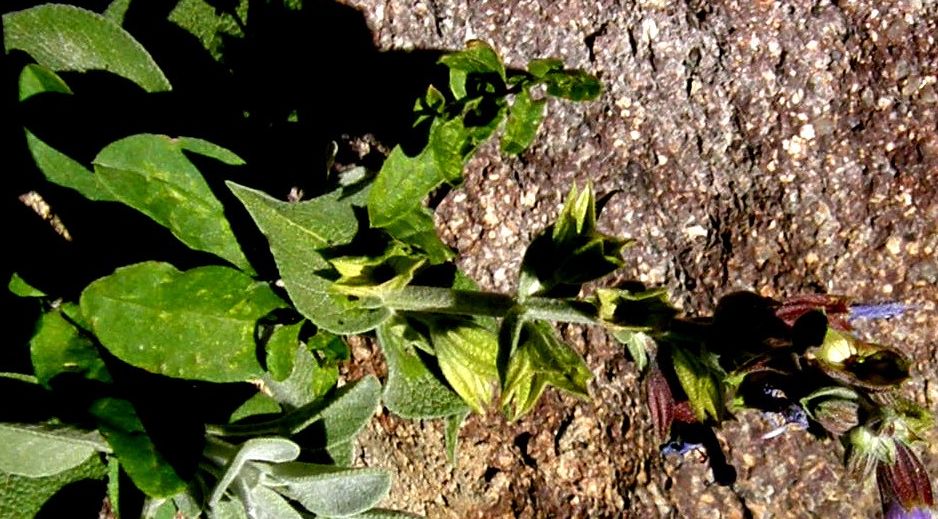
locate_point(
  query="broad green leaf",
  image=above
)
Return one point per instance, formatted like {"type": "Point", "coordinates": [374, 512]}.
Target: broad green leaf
{"type": "Point", "coordinates": [701, 386]}
{"type": "Point", "coordinates": [329, 490]}
{"type": "Point", "coordinates": [36, 79]}
{"type": "Point", "coordinates": [281, 350]}
{"type": "Point", "coordinates": [466, 353]}
{"type": "Point", "coordinates": [412, 390]}
{"type": "Point", "coordinates": [63, 37]}
{"type": "Point", "coordinates": [297, 232]}
{"type": "Point", "coordinates": [575, 85]}
{"type": "Point", "coordinates": [197, 324]}
{"type": "Point", "coordinates": [19, 287]}
{"type": "Point", "coordinates": [376, 276]}
{"type": "Point", "coordinates": [401, 186]}
{"type": "Point", "coordinates": [211, 25]}
{"type": "Point", "coordinates": [22, 496]}
{"type": "Point", "coordinates": [152, 174]}
{"type": "Point", "coordinates": [275, 450]}
{"type": "Point", "coordinates": [541, 358]}
{"type": "Point", "coordinates": [62, 170]}
{"type": "Point", "coordinates": [59, 347]}
{"type": "Point", "coordinates": [524, 118]}
{"type": "Point", "coordinates": [147, 468]}
{"type": "Point", "coordinates": [44, 450]}
{"type": "Point", "coordinates": [259, 404]}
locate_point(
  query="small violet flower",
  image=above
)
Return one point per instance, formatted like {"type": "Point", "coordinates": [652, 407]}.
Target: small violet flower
{"type": "Point", "coordinates": [904, 487]}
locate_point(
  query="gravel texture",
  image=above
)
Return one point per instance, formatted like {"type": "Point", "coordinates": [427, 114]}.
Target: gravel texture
{"type": "Point", "coordinates": [782, 147]}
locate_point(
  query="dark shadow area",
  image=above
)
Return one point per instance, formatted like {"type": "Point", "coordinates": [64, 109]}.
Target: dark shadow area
{"type": "Point", "coordinates": [79, 499]}
{"type": "Point", "coordinates": [278, 95]}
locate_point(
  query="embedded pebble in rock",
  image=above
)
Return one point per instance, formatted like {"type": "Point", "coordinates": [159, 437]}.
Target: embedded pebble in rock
{"type": "Point", "coordinates": [784, 147]}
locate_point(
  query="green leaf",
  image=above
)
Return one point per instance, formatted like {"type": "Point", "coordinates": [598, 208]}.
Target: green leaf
{"type": "Point", "coordinates": [541, 359]}
{"type": "Point", "coordinates": [308, 381]}
{"type": "Point", "coordinates": [281, 350]}
{"type": "Point", "coordinates": [19, 287]}
{"type": "Point", "coordinates": [570, 252]}
{"type": "Point", "coordinates": [575, 85]}
{"type": "Point", "coordinates": [328, 490]}
{"type": "Point", "coordinates": [699, 383]}
{"type": "Point", "coordinates": [297, 232]}
{"type": "Point", "coordinates": [276, 450]}
{"type": "Point", "coordinates": [147, 468]}
{"type": "Point", "coordinates": [451, 435]}
{"type": "Point", "coordinates": [152, 174]}
{"type": "Point", "coordinates": [466, 353]}
{"type": "Point", "coordinates": [524, 118]}
{"type": "Point", "coordinates": [116, 10]}
{"type": "Point", "coordinates": [36, 79]}
{"type": "Point", "coordinates": [37, 451]}
{"type": "Point", "coordinates": [62, 170]}
{"type": "Point", "coordinates": [645, 311]}
{"type": "Point", "coordinates": [271, 505]}
{"type": "Point", "coordinates": [350, 409]}
{"type": "Point", "coordinates": [638, 344]}
{"type": "Point", "coordinates": [197, 324]}
{"type": "Point", "coordinates": [210, 25]}
{"type": "Point", "coordinates": [22, 496]}
{"type": "Point", "coordinates": [59, 347]}
{"type": "Point", "coordinates": [376, 276]}
{"type": "Point", "coordinates": [259, 404]}
{"type": "Point", "coordinates": [228, 509]}
{"type": "Point", "coordinates": [417, 228]}
{"type": "Point", "coordinates": [382, 513]}
{"type": "Point", "coordinates": [62, 37]}
{"type": "Point", "coordinates": [113, 485]}
{"type": "Point", "coordinates": [541, 67]}
{"type": "Point", "coordinates": [412, 390]}
{"type": "Point", "coordinates": [401, 185]}
{"type": "Point", "coordinates": [478, 58]}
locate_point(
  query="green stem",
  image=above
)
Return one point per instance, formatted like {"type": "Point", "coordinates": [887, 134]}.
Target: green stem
{"type": "Point", "coordinates": [469, 302]}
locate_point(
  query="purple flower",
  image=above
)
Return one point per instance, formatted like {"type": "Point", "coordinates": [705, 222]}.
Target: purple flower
{"type": "Point", "coordinates": [877, 310]}
{"type": "Point", "coordinates": [904, 487]}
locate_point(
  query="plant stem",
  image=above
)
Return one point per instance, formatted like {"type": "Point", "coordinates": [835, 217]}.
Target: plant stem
{"type": "Point", "coordinates": [470, 302]}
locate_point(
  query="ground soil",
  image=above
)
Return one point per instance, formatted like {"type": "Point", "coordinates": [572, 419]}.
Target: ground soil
{"type": "Point", "coordinates": [783, 147]}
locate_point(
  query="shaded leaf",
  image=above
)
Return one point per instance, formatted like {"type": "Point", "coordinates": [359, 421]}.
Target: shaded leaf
{"type": "Point", "coordinates": [297, 232]}
{"type": "Point", "coordinates": [59, 347]}
{"type": "Point", "coordinates": [259, 404]}
{"type": "Point", "coordinates": [152, 174]}
{"type": "Point", "coordinates": [541, 67]}
{"type": "Point", "coordinates": [524, 119]}
{"type": "Point", "coordinates": [149, 470]}
{"type": "Point", "coordinates": [638, 344]}
{"type": "Point", "coordinates": [44, 450]}
{"type": "Point", "coordinates": [451, 435]}
{"type": "Point", "coordinates": [541, 359]}
{"type": "Point", "coordinates": [63, 37]}
{"type": "Point", "coordinates": [575, 85]}
{"type": "Point", "coordinates": [308, 381]}
{"type": "Point", "coordinates": [412, 389]}
{"type": "Point", "coordinates": [478, 58]}
{"type": "Point", "coordinates": [702, 389]}
{"type": "Point", "coordinates": [197, 324]}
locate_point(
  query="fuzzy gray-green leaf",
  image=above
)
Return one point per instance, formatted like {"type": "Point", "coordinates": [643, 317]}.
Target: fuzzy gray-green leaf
{"type": "Point", "coordinates": [44, 450]}
{"type": "Point", "coordinates": [296, 233]}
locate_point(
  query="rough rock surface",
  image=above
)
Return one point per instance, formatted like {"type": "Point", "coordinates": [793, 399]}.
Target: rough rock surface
{"type": "Point", "coordinates": [784, 147]}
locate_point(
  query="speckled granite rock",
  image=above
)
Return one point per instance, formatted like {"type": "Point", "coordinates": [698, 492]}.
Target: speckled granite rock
{"type": "Point", "coordinates": [784, 147]}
